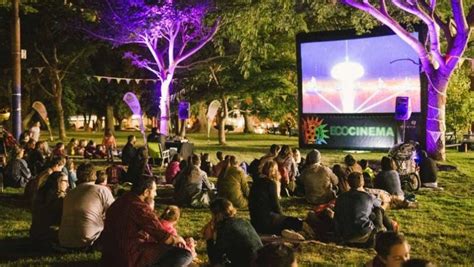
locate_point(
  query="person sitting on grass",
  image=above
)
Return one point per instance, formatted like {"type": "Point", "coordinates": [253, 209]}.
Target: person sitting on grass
{"type": "Point", "coordinates": [392, 250]}
{"type": "Point", "coordinates": [17, 173]}
{"type": "Point", "coordinates": [358, 215]}
{"type": "Point", "coordinates": [173, 169]}
{"type": "Point", "coordinates": [341, 174]}
{"type": "Point", "coordinates": [206, 164]}
{"type": "Point", "coordinates": [71, 173]}
{"type": "Point", "coordinates": [169, 218]}
{"type": "Point", "coordinates": [266, 214]}
{"type": "Point", "coordinates": [191, 182]}
{"type": "Point", "coordinates": [134, 236]}
{"type": "Point", "coordinates": [428, 171]}
{"type": "Point", "coordinates": [138, 166]}
{"type": "Point", "coordinates": [351, 165]}
{"type": "Point", "coordinates": [89, 150]}
{"type": "Point", "coordinates": [71, 147]}
{"type": "Point", "coordinates": [288, 170]}
{"type": "Point", "coordinates": [100, 152]}
{"type": "Point", "coordinates": [217, 168]}
{"type": "Point", "coordinates": [388, 179]}
{"type": "Point", "coordinates": [81, 147]}
{"type": "Point", "coordinates": [129, 151]}
{"type": "Point", "coordinates": [84, 210]}
{"type": "Point", "coordinates": [276, 254]}
{"type": "Point", "coordinates": [231, 241]}
{"type": "Point", "coordinates": [37, 158]}
{"type": "Point", "coordinates": [47, 210]}
{"type": "Point", "coordinates": [319, 181]}
{"type": "Point", "coordinates": [56, 164]}
{"type": "Point", "coordinates": [368, 173]}
{"type": "Point", "coordinates": [233, 184]}
{"type": "Point", "coordinates": [59, 150]}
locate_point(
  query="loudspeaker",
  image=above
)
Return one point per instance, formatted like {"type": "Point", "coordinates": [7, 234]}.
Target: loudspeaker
{"type": "Point", "coordinates": [402, 108]}
{"type": "Point", "coordinates": [184, 110]}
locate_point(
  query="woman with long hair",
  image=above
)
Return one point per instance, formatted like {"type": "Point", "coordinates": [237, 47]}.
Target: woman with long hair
{"type": "Point", "coordinates": [265, 211]}
{"type": "Point", "coordinates": [288, 170]}
{"type": "Point", "coordinates": [138, 166]}
{"type": "Point", "coordinates": [231, 241]}
{"type": "Point", "coordinates": [233, 184]}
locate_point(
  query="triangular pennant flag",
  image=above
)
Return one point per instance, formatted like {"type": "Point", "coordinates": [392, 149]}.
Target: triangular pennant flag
{"type": "Point", "coordinates": [128, 81]}
{"type": "Point", "coordinates": [88, 78]}
{"type": "Point", "coordinates": [118, 80]}
{"type": "Point", "coordinates": [28, 70]}
{"type": "Point", "coordinates": [99, 78]}
{"type": "Point", "coordinates": [138, 81]}
{"type": "Point", "coordinates": [284, 97]}
{"type": "Point", "coordinates": [435, 135]}
{"type": "Point", "coordinates": [40, 69]}
{"type": "Point", "coordinates": [108, 79]}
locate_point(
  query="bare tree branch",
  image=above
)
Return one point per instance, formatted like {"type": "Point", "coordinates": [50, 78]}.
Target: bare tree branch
{"type": "Point", "coordinates": [470, 17]}
{"type": "Point", "coordinates": [40, 84]}
{"type": "Point", "coordinates": [42, 55]}
{"type": "Point", "coordinates": [71, 62]}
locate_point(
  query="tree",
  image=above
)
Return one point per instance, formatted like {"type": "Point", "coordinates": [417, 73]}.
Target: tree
{"type": "Point", "coordinates": [460, 107]}
{"type": "Point", "coordinates": [56, 48]}
{"type": "Point", "coordinates": [437, 65]}
{"type": "Point", "coordinates": [171, 32]}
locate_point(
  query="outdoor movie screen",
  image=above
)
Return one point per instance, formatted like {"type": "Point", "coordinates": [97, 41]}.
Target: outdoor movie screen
{"type": "Point", "coordinates": [358, 76]}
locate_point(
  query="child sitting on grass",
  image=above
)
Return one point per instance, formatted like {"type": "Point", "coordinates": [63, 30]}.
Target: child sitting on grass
{"type": "Point", "coordinates": [169, 218]}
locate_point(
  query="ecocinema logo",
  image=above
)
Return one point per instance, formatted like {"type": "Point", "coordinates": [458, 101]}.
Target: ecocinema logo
{"type": "Point", "coordinates": [322, 133]}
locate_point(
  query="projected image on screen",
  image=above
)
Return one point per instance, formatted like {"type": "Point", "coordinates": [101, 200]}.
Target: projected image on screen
{"type": "Point", "coordinates": [359, 75]}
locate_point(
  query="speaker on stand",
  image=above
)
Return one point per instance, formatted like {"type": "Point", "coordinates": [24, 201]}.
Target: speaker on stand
{"type": "Point", "coordinates": [403, 111]}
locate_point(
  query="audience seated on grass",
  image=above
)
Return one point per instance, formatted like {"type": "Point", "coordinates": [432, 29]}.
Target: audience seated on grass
{"type": "Point", "coordinates": [288, 170]}
{"type": "Point", "coordinates": [173, 169]}
{"type": "Point", "coordinates": [17, 173]}
{"type": "Point", "coordinates": [71, 173]}
{"type": "Point", "coordinates": [231, 241]}
{"type": "Point", "coordinates": [358, 215]}
{"type": "Point", "coordinates": [89, 150]}
{"type": "Point", "coordinates": [37, 158]}
{"type": "Point", "coordinates": [56, 164]}
{"type": "Point", "coordinates": [129, 151]}
{"type": "Point", "coordinates": [134, 236]}
{"type": "Point", "coordinates": [368, 173]}
{"type": "Point", "coordinates": [319, 181]}
{"type": "Point", "coordinates": [81, 147]}
{"type": "Point", "coordinates": [115, 174]}
{"type": "Point", "coordinates": [192, 184]}
{"type": "Point", "coordinates": [138, 166]}
{"type": "Point", "coordinates": [217, 168]}
{"type": "Point", "coordinates": [206, 164]}
{"type": "Point", "coordinates": [47, 210]}
{"type": "Point", "coordinates": [428, 171]}
{"type": "Point", "coordinates": [342, 185]}
{"type": "Point", "coordinates": [351, 165]}
{"type": "Point", "coordinates": [59, 150]}
{"type": "Point", "coordinates": [169, 218]}
{"type": "Point", "coordinates": [392, 250]}
{"type": "Point", "coordinates": [233, 184]}
{"type": "Point", "coordinates": [266, 214]}
{"type": "Point", "coordinates": [271, 155]}
{"type": "Point", "coordinates": [71, 147]}
{"type": "Point", "coordinates": [276, 254]}
{"type": "Point", "coordinates": [83, 211]}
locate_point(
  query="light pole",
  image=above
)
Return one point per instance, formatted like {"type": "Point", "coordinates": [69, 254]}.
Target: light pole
{"type": "Point", "coordinates": [16, 67]}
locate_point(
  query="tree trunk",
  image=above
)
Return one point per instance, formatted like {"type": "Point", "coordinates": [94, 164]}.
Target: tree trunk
{"type": "Point", "coordinates": [436, 115]}
{"type": "Point", "coordinates": [59, 109]}
{"type": "Point", "coordinates": [109, 118]}
{"type": "Point", "coordinates": [202, 117]}
{"type": "Point", "coordinates": [165, 105]}
{"type": "Point", "coordinates": [248, 123]}
{"type": "Point", "coordinates": [222, 115]}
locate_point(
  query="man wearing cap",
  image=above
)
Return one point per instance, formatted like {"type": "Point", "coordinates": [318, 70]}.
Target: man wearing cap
{"type": "Point", "coordinates": [318, 180]}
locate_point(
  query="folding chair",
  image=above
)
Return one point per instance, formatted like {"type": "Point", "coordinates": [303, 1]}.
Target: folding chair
{"type": "Point", "coordinates": [155, 151]}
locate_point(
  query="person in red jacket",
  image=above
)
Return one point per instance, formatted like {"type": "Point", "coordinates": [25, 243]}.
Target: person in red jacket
{"type": "Point", "coordinates": [134, 236]}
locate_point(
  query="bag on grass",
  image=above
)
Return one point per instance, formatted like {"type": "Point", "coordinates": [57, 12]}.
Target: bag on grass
{"type": "Point", "coordinates": [201, 200]}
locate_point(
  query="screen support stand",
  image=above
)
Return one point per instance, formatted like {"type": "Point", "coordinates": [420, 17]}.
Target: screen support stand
{"type": "Point", "coordinates": [403, 131]}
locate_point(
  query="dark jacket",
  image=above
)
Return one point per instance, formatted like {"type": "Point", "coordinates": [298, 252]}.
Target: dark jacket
{"type": "Point", "coordinates": [263, 201]}
{"type": "Point", "coordinates": [390, 182]}
{"type": "Point", "coordinates": [428, 169]}
{"type": "Point", "coordinates": [46, 215]}
{"type": "Point", "coordinates": [236, 243]}
{"type": "Point", "coordinates": [128, 153]}
{"type": "Point", "coordinates": [352, 212]}
{"type": "Point", "coordinates": [17, 173]}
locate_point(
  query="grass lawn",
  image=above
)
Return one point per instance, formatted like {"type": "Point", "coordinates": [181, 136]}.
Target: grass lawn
{"type": "Point", "coordinates": [441, 229]}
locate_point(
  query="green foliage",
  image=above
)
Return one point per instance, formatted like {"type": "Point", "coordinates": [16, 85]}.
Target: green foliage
{"type": "Point", "coordinates": [460, 103]}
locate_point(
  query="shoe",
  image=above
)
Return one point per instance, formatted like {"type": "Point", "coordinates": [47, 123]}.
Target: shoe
{"type": "Point", "coordinates": [290, 234]}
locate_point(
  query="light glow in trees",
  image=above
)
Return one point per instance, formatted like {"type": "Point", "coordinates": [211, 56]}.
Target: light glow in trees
{"type": "Point", "coordinates": [437, 65]}
{"type": "Point", "coordinates": [170, 32]}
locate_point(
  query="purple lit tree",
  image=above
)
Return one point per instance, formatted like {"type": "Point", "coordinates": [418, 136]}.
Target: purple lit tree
{"type": "Point", "coordinates": [170, 31]}
{"type": "Point", "coordinates": [438, 64]}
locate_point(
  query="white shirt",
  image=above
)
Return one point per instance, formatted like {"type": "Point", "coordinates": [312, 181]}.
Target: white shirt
{"type": "Point", "coordinates": [35, 133]}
